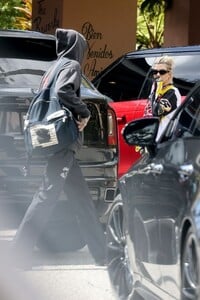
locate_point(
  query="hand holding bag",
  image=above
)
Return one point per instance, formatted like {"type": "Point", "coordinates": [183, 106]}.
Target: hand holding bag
{"type": "Point", "coordinates": [49, 126]}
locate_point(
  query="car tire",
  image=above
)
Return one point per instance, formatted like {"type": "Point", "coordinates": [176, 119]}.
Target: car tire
{"type": "Point", "coordinates": [190, 274]}
{"type": "Point", "coordinates": [116, 252]}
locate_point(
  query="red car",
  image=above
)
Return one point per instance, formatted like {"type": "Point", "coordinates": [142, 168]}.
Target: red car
{"type": "Point", "coordinates": [127, 111]}
{"type": "Point", "coordinates": [127, 81]}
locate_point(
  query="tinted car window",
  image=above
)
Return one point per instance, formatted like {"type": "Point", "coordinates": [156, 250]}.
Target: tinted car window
{"type": "Point", "coordinates": [27, 47]}
{"type": "Point", "coordinates": [188, 120]}
{"type": "Point", "coordinates": [125, 82]}
{"type": "Point", "coordinates": [130, 78]}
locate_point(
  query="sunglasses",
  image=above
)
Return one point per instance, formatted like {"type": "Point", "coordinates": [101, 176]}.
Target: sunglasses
{"type": "Point", "coordinates": [161, 72]}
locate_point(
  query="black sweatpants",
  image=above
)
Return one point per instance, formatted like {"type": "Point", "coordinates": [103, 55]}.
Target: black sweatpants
{"type": "Point", "coordinates": [62, 173]}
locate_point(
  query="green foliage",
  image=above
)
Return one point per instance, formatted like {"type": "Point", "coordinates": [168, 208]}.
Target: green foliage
{"type": "Point", "coordinates": [149, 5]}
{"type": "Point", "coordinates": [25, 20]}
{"type": "Point", "coordinates": [11, 13]}
{"type": "Point", "coordinates": [150, 23]}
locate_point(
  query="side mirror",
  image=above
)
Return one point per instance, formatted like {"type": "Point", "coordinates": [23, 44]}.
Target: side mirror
{"type": "Point", "coordinates": [141, 132]}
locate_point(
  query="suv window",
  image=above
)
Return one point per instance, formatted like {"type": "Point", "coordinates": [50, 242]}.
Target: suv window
{"type": "Point", "coordinates": [129, 79]}
{"type": "Point", "coordinates": [188, 121]}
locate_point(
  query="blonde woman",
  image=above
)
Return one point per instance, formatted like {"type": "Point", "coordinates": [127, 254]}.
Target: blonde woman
{"type": "Point", "coordinates": [164, 97]}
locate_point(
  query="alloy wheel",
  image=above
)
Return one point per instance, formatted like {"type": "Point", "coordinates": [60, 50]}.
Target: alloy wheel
{"type": "Point", "coordinates": [117, 255]}
{"type": "Point", "coordinates": [190, 268]}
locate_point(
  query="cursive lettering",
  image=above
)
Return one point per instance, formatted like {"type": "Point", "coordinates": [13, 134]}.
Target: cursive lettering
{"type": "Point", "coordinates": [41, 9]}
{"type": "Point", "coordinates": [47, 27]}
{"type": "Point", "coordinates": [102, 52]}
{"type": "Point", "coordinates": [89, 32]}
{"type": "Point", "coordinates": [90, 69]}
{"type": "Point", "coordinates": [96, 50]}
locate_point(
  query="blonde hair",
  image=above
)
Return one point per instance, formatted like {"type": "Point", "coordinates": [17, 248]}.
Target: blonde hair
{"type": "Point", "coordinates": [167, 60]}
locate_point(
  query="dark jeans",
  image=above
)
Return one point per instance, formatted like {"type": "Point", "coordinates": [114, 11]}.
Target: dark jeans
{"type": "Point", "coordinates": [62, 173]}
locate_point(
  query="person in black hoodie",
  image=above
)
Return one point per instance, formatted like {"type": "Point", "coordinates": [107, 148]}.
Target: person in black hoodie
{"type": "Point", "coordinates": [62, 171]}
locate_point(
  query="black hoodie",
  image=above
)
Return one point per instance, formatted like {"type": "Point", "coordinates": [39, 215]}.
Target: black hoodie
{"type": "Point", "coordinates": [71, 47]}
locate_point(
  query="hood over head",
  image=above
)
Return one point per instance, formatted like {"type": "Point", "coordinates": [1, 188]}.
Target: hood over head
{"type": "Point", "coordinates": [70, 44]}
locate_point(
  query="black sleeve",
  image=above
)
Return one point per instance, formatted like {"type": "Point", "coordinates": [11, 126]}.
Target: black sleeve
{"type": "Point", "coordinates": [167, 103]}
{"type": "Point", "coordinates": [68, 87]}
{"type": "Point", "coordinates": [171, 96]}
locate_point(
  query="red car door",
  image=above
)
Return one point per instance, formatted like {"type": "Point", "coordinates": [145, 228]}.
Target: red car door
{"type": "Point", "coordinates": [127, 111]}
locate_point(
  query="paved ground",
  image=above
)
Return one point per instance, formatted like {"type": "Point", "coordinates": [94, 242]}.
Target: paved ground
{"type": "Point", "coordinates": [60, 276]}
{"type": "Point", "coordinates": [71, 276]}
{"type": "Point", "coordinates": [72, 282]}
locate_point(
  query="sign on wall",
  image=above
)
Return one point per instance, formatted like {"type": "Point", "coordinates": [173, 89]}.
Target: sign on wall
{"type": "Point", "coordinates": [46, 17]}
{"type": "Point", "coordinates": [109, 32]}
{"type": "Point", "coordinates": [98, 50]}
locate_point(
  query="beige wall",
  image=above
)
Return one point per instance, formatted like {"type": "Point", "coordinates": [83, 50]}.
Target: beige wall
{"type": "Point", "coordinates": [182, 23]}
{"type": "Point", "coordinates": [108, 25]}
{"type": "Point", "coordinates": [194, 23]}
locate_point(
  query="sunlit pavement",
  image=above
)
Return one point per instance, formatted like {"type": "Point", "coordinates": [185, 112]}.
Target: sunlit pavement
{"type": "Point", "coordinates": [60, 276]}
{"type": "Point", "coordinates": [72, 282]}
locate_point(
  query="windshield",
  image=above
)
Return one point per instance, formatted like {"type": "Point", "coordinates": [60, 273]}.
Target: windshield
{"type": "Point", "coordinates": [24, 60]}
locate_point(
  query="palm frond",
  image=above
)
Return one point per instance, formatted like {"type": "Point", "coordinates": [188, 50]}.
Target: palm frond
{"type": "Point", "coordinates": [150, 5]}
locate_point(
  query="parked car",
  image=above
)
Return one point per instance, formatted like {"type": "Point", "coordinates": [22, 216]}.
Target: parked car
{"type": "Point", "coordinates": [24, 57]}
{"type": "Point", "coordinates": [127, 81]}
{"type": "Point", "coordinates": [153, 230]}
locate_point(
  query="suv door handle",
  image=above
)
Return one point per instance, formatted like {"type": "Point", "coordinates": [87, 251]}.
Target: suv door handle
{"type": "Point", "coordinates": [121, 120]}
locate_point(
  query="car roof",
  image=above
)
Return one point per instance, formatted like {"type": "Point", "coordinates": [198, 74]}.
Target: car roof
{"type": "Point", "coordinates": [25, 34]}
{"type": "Point", "coordinates": [173, 50]}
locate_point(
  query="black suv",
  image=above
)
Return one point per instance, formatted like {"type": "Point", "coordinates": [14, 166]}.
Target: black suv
{"type": "Point", "coordinates": [24, 57]}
